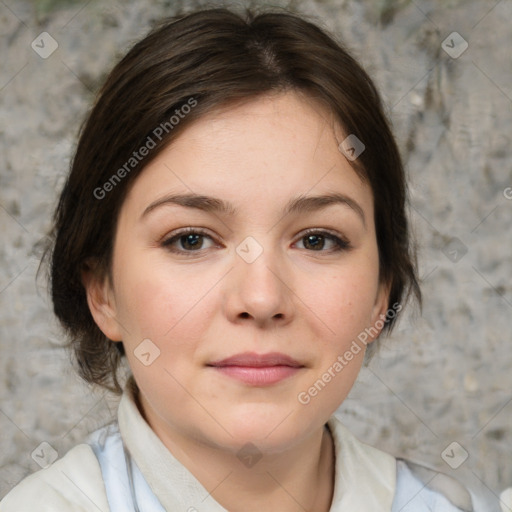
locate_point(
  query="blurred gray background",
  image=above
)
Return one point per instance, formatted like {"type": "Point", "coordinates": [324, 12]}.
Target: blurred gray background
{"type": "Point", "coordinates": [442, 378]}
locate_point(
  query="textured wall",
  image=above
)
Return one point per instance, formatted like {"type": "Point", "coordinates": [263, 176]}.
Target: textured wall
{"type": "Point", "coordinates": [444, 377]}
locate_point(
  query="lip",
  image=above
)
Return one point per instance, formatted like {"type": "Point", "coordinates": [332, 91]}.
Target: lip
{"type": "Point", "coordinates": [251, 359]}
{"type": "Point", "coordinates": [258, 369]}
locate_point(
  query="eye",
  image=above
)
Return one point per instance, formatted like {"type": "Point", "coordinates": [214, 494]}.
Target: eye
{"type": "Point", "coordinates": [188, 240]}
{"type": "Point", "coordinates": [316, 241]}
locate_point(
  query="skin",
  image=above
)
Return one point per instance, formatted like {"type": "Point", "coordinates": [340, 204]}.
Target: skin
{"type": "Point", "coordinates": [309, 302]}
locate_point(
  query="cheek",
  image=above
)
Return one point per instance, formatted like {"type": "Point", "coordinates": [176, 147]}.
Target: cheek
{"type": "Point", "coordinates": [343, 303]}
{"type": "Point", "coordinates": [155, 301]}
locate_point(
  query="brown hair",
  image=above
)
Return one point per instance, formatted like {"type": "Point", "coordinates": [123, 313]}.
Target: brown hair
{"type": "Point", "coordinates": [208, 59]}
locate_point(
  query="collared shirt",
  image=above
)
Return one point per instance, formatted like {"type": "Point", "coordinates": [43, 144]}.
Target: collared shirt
{"type": "Point", "coordinates": [365, 478]}
{"type": "Point", "coordinates": [124, 467]}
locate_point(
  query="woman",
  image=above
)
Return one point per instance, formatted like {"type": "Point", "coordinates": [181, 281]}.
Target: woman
{"type": "Point", "coordinates": [234, 226]}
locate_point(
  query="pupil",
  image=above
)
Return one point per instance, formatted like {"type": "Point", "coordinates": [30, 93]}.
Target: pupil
{"type": "Point", "coordinates": [312, 238]}
{"type": "Point", "coordinates": [192, 240]}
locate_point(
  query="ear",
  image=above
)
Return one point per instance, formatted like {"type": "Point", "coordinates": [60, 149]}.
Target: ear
{"type": "Point", "coordinates": [100, 298]}
{"type": "Point", "coordinates": [379, 311]}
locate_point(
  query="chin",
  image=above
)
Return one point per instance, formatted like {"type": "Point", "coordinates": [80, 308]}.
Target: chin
{"type": "Point", "coordinates": [268, 426]}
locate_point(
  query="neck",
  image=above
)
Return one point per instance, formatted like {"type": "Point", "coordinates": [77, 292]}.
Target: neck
{"type": "Point", "coordinates": [297, 480]}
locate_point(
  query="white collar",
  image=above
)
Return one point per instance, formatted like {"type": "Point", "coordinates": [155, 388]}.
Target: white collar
{"type": "Point", "coordinates": [365, 477]}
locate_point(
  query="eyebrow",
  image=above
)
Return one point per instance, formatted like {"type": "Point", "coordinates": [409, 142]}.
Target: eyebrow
{"type": "Point", "coordinates": [300, 204]}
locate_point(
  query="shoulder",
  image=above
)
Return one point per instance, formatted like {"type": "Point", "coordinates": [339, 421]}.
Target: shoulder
{"type": "Point", "coordinates": [414, 487]}
{"type": "Point", "coordinates": [73, 482]}
{"type": "Point", "coordinates": [421, 488]}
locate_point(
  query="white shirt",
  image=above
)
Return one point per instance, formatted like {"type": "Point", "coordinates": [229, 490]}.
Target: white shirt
{"type": "Point", "coordinates": [94, 476]}
{"type": "Point", "coordinates": [388, 484]}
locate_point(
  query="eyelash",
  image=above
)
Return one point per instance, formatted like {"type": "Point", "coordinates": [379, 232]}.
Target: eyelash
{"type": "Point", "coordinates": [340, 243]}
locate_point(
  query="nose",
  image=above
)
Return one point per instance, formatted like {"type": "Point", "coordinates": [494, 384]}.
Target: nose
{"type": "Point", "coordinates": [260, 291]}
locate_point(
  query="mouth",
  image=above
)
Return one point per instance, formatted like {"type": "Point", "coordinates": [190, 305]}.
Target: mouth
{"type": "Point", "coordinates": [258, 369]}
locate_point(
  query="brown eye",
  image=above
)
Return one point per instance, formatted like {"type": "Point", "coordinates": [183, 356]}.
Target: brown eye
{"type": "Point", "coordinates": [317, 241]}
{"type": "Point", "coordinates": [186, 241]}
{"type": "Point", "coordinates": [192, 241]}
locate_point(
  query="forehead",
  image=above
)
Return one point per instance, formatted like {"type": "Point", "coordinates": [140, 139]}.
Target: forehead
{"type": "Point", "coordinates": [261, 151]}
{"type": "Point", "coordinates": [289, 124]}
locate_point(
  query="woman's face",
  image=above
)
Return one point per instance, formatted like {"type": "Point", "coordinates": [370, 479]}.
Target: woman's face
{"type": "Point", "coordinates": [272, 273]}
